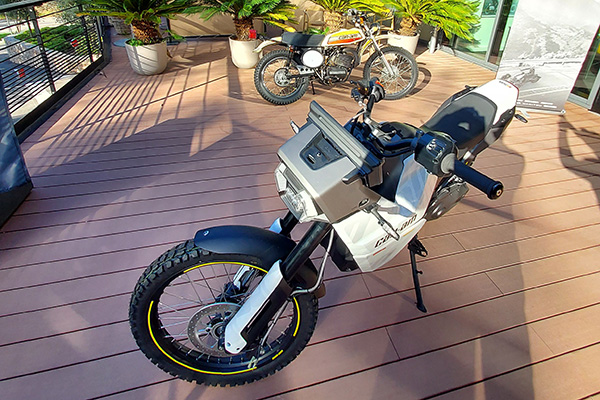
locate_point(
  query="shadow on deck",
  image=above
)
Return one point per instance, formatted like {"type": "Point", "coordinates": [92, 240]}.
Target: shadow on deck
{"type": "Point", "coordinates": [133, 165]}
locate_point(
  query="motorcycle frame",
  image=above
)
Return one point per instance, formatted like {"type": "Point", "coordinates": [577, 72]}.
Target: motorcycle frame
{"type": "Point", "coordinates": [278, 285]}
{"type": "Point", "coordinates": [361, 46]}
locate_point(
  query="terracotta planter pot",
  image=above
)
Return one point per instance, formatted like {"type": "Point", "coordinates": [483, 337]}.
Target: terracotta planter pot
{"type": "Point", "coordinates": [409, 43]}
{"type": "Point", "coordinates": [242, 53]}
{"type": "Point", "coordinates": [148, 59]}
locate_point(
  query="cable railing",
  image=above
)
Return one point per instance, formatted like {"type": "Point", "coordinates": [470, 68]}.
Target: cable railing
{"type": "Point", "coordinates": [45, 50]}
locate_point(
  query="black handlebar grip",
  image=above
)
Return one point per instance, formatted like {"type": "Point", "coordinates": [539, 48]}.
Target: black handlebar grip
{"type": "Point", "coordinates": [493, 189]}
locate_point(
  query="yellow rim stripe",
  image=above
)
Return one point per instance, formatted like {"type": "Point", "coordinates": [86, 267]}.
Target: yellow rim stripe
{"type": "Point", "coordinates": [211, 372]}
{"type": "Point", "coordinates": [277, 355]}
{"type": "Point", "coordinates": [298, 314]}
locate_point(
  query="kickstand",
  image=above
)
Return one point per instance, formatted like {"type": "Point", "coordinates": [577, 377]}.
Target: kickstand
{"type": "Point", "coordinates": [312, 85]}
{"type": "Point", "coordinates": [416, 247]}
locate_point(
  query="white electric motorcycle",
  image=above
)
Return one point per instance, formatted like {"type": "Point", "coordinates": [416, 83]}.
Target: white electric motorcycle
{"type": "Point", "coordinates": [237, 303]}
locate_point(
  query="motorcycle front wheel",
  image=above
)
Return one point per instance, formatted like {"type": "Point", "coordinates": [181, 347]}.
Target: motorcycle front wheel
{"type": "Point", "coordinates": [401, 79]}
{"type": "Point", "coordinates": [277, 79]}
{"type": "Point", "coordinates": [182, 303]}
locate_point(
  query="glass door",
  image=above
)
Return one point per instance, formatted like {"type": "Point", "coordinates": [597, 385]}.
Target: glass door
{"type": "Point", "coordinates": [491, 33]}
{"type": "Point", "coordinates": [585, 91]}
{"type": "Point", "coordinates": [596, 106]}
{"type": "Point", "coordinates": [505, 20]}
{"type": "Point", "coordinates": [482, 33]}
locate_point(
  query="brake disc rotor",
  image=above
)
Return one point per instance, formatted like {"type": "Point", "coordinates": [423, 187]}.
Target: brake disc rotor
{"type": "Point", "coordinates": [207, 327]}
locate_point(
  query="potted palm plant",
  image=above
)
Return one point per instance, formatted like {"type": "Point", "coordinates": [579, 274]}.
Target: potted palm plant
{"type": "Point", "coordinates": [244, 12]}
{"type": "Point", "coordinates": [147, 50]}
{"type": "Point", "coordinates": [333, 10]}
{"type": "Point", "coordinates": [454, 17]}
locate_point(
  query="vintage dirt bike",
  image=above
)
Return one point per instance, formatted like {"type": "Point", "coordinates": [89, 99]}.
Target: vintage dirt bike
{"type": "Point", "coordinates": [282, 76]}
{"type": "Point", "coordinates": [237, 303]}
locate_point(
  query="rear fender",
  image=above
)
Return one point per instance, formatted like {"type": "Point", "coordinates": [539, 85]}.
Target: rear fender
{"type": "Point", "coordinates": [266, 43]}
{"type": "Point", "coordinates": [265, 246]}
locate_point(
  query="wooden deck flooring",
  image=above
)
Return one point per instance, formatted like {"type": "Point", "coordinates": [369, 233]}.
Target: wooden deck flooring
{"type": "Point", "coordinates": [133, 165]}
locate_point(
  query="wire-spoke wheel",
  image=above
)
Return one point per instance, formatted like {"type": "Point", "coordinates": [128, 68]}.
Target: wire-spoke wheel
{"type": "Point", "coordinates": [369, 48]}
{"type": "Point", "coordinates": [399, 78]}
{"type": "Point", "coordinates": [278, 80]}
{"type": "Point", "coordinates": [183, 302]}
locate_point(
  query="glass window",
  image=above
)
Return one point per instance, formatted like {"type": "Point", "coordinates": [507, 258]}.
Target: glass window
{"type": "Point", "coordinates": [589, 70]}
{"type": "Point", "coordinates": [489, 35]}
{"type": "Point", "coordinates": [504, 24]}
{"type": "Point", "coordinates": [482, 33]}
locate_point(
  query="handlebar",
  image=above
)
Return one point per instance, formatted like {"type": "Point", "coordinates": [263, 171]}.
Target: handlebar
{"type": "Point", "coordinates": [354, 12]}
{"type": "Point", "coordinates": [493, 189]}
{"type": "Point", "coordinates": [371, 91]}
{"type": "Point", "coordinates": [436, 151]}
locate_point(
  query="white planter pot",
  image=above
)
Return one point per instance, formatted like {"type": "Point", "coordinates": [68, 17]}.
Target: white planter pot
{"type": "Point", "coordinates": [242, 53]}
{"type": "Point", "coordinates": [149, 59]}
{"type": "Point", "coordinates": [409, 43]}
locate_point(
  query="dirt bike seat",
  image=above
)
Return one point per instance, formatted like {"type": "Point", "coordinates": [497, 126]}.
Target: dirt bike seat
{"type": "Point", "coordinates": [301, 39]}
{"type": "Point", "coordinates": [467, 119]}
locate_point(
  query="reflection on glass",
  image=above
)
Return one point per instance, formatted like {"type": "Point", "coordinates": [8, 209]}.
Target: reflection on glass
{"type": "Point", "coordinates": [505, 22]}
{"type": "Point", "coordinates": [589, 70]}
{"type": "Point", "coordinates": [482, 33]}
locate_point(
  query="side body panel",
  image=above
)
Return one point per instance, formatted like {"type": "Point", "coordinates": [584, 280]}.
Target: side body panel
{"type": "Point", "coordinates": [369, 244]}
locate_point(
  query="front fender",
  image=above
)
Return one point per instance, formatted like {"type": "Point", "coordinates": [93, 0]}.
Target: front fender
{"type": "Point", "coordinates": [262, 244]}
{"type": "Point", "coordinates": [266, 43]}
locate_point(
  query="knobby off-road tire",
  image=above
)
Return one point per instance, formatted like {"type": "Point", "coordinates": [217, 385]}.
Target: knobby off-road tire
{"type": "Point", "coordinates": [181, 304]}
{"type": "Point", "coordinates": [404, 76]}
{"type": "Point", "coordinates": [272, 82]}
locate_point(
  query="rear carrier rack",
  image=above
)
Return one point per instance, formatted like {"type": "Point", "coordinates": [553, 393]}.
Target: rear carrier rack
{"type": "Point", "coordinates": [323, 164]}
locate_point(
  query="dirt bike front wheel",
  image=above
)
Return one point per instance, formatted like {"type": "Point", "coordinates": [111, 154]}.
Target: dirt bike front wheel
{"type": "Point", "coordinates": [278, 80]}
{"type": "Point", "coordinates": [182, 303]}
{"type": "Point", "coordinates": [401, 79]}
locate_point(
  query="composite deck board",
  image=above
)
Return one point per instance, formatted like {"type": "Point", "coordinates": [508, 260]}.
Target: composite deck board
{"type": "Point", "coordinates": [454, 249]}
{"type": "Point", "coordinates": [408, 338]}
{"type": "Point", "coordinates": [565, 376]}
{"type": "Point", "coordinates": [120, 211]}
{"type": "Point", "coordinates": [133, 165]}
{"type": "Point", "coordinates": [71, 216]}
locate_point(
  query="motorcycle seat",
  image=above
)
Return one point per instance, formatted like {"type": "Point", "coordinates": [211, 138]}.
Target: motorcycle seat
{"type": "Point", "coordinates": [301, 39]}
{"type": "Point", "coordinates": [467, 119]}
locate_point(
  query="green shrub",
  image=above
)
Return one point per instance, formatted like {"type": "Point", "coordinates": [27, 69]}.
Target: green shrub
{"type": "Point", "coordinates": [59, 38]}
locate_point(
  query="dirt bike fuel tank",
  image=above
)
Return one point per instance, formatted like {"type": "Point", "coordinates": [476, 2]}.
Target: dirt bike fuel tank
{"type": "Point", "coordinates": [325, 172]}
{"type": "Point", "coordinates": [344, 37]}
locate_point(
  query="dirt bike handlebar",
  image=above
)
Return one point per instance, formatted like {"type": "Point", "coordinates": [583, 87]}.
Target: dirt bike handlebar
{"type": "Point", "coordinates": [371, 91]}
{"type": "Point", "coordinates": [436, 151]}
{"type": "Point", "coordinates": [493, 189]}
{"type": "Point", "coordinates": [354, 12]}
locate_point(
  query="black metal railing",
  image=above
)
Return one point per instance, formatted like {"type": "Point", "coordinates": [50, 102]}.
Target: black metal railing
{"type": "Point", "coordinates": [45, 50]}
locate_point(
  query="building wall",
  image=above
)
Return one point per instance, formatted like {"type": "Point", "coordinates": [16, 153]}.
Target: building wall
{"type": "Point", "coordinates": [193, 25]}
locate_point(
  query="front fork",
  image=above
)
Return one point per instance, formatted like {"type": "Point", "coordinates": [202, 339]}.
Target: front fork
{"type": "Point", "coordinates": [273, 291]}
{"type": "Point", "coordinates": [386, 63]}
